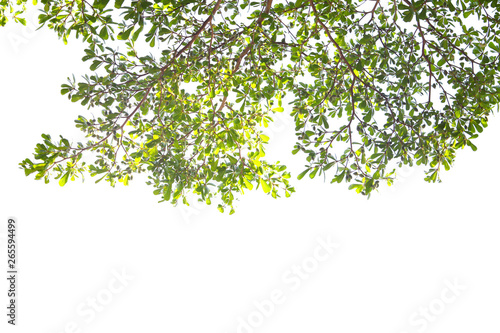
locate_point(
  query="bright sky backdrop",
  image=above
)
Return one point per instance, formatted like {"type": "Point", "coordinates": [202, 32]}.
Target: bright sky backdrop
{"type": "Point", "coordinates": [196, 270]}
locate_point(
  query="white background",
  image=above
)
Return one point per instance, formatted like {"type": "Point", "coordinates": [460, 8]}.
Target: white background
{"type": "Point", "coordinates": [196, 270]}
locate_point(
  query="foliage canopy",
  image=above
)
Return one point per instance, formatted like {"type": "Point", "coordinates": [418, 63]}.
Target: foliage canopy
{"type": "Point", "coordinates": [371, 85]}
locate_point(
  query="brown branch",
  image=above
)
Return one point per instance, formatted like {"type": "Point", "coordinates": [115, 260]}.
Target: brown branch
{"type": "Point", "coordinates": [195, 36]}
{"type": "Point", "coordinates": [247, 49]}
{"type": "Point", "coordinates": [258, 24]}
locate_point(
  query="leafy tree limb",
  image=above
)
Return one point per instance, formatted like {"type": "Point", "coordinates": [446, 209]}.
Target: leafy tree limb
{"type": "Point", "coordinates": [371, 85]}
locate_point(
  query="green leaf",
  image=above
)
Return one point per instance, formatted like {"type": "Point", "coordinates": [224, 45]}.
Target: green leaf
{"type": "Point", "coordinates": [408, 17]}
{"type": "Point", "coordinates": [95, 65]}
{"type": "Point", "coordinates": [302, 174]}
{"type": "Point", "coordinates": [100, 4]}
{"type": "Point", "coordinates": [124, 35]}
{"type": "Point", "coordinates": [313, 173]}
{"type": "Point", "coordinates": [104, 33]}
{"type": "Point", "coordinates": [76, 98]}
{"type": "Point", "coordinates": [137, 33]}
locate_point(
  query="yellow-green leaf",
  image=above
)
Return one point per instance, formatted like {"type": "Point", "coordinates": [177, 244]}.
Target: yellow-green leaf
{"type": "Point", "coordinates": [265, 186]}
{"type": "Point", "coordinates": [247, 184]}
{"type": "Point", "coordinates": [64, 179]}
